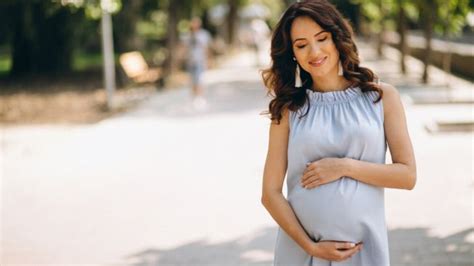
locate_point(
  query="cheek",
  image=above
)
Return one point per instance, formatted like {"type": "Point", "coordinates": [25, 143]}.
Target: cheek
{"type": "Point", "coordinates": [331, 49]}
{"type": "Point", "coordinates": [299, 54]}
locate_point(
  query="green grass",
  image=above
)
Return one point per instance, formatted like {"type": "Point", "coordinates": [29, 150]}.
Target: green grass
{"type": "Point", "coordinates": [82, 61]}
{"type": "Point", "coordinates": [5, 64]}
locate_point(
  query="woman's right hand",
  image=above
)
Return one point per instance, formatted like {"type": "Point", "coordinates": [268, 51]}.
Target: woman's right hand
{"type": "Point", "coordinates": [334, 250]}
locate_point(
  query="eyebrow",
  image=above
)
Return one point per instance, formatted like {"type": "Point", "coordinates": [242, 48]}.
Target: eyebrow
{"type": "Point", "coordinates": [313, 36]}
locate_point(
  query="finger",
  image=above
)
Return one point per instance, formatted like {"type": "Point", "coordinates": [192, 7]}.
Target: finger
{"type": "Point", "coordinates": [307, 175]}
{"type": "Point", "coordinates": [344, 245]}
{"type": "Point", "coordinates": [307, 169]}
{"type": "Point", "coordinates": [318, 182]}
{"type": "Point", "coordinates": [310, 179]}
{"type": "Point", "coordinates": [345, 254]}
{"type": "Point", "coordinates": [313, 183]}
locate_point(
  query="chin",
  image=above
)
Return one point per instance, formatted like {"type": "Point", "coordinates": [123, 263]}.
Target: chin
{"type": "Point", "coordinates": [319, 73]}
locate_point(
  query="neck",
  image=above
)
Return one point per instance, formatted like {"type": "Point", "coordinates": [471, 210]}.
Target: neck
{"type": "Point", "coordinates": [330, 83]}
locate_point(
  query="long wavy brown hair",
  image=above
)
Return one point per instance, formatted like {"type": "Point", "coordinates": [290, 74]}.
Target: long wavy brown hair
{"type": "Point", "coordinates": [280, 77]}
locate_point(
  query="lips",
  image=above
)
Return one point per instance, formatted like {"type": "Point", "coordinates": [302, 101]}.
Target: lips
{"type": "Point", "coordinates": [319, 62]}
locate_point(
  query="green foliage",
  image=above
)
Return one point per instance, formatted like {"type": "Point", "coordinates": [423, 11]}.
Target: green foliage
{"type": "Point", "coordinates": [374, 12]}
{"type": "Point", "coordinates": [153, 27]}
{"type": "Point", "coordinates": [411, 10]}
{"type": "Point", "coordinates": [60, 35]}
{"type": "Point", "coordinates": [93, 9]}
{"type": "Point", "coordinates": [199, 6]}
{"type": "Point", "coordinates": [451, 16]}
{"type": "Point", "coordinates": [183, 25]}
{"type": "Point", "coordinates": [5, 63]}
{"type": "Point", "coordinates": [83, 61]}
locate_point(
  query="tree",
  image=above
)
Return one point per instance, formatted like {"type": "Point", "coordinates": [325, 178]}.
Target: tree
{"type": "Point", "coordinates": [42, 34]}
{"type": "Point", "coordinates": [172, 35]}
{"type": "Point", "coordinates": [401, 29]}
{"type": "Point", "coordinates": [126, 21]}
{"type": "Point", "coordinates": [445, 17]}
{"type": "Point", "coordinates": [427, 9]}
{"type": "Point", "coordinates": [376, 12]}
{"type": "Point", "coordinates": [232, 21]}
{"type": "Point", "coordinates": [352, 11]}
{"type": "Point", "coordinates": [451, 18]}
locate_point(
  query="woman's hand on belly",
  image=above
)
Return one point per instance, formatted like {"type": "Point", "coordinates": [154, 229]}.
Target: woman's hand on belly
{"type": "Point", "coordinates": [323, 171]}
{"type": "Point", "coordinates": [334, 250]}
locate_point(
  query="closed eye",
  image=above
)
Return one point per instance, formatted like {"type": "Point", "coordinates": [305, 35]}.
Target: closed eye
{"type": "Point", "coordinates": [300, 46]}
{"type": "Point", "coordinates": [323, 39]}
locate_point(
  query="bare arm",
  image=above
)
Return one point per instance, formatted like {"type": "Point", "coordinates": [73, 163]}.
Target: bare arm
{"type": "Point", "coordinates": [400, 174]}
{"type": "Point", "coordinates": [273, 178]}
{"type": "Point", "coordinates": [280, 209]}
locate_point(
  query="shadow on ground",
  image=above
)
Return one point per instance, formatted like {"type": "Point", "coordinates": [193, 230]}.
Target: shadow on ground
{"type": "Point", "coordinates": [255, 249]}
{"type": "Point", "coordinates": [408, 247]}
{"type": "Point", "coordinates": [414, 246]}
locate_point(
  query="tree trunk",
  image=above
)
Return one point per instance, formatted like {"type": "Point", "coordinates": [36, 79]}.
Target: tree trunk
{"type": "Point", "coordinates": [125, 26]}
{"type": "Point", "coordinates": [380, 42]}
{"type": "Point", "coordinates": [447, 55]}
{"type": "Point", "coordinates": [172, 34]}
{"type": "Point", "coordinates": [402, 45]}
{"type": "Point", "coordinates": [232, 22]}
{"type": "Point", "coordinates": [357, 17]}
{"type": "Point", "coordinates": [42, 42]}
{"type": "Point", "coordinates": [55, 36]}
{"type": "Point", "coordinates": [22, 52]}
{"type": "Point", "coordinates": [428, 33]}
{"type": "Point", "coordinates": [380, 39]}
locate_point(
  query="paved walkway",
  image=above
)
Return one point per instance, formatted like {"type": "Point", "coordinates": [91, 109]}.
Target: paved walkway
{"type": "Point", "coordinates": [164, 185]}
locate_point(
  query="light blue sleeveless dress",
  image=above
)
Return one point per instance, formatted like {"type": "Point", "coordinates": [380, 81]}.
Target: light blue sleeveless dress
{"type": "Point", "coordinates": [339, 124]}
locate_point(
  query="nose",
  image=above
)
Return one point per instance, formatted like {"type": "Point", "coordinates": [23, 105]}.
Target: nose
{"type": "Point", "coordinates": [315, 50]}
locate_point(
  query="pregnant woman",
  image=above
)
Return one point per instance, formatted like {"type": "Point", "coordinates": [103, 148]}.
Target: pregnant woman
{"type": "Point", "coordinates": [331, 123]}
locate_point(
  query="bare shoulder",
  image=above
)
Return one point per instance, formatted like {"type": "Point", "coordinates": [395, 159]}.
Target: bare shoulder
{"type": "Point", "coordinates": [391, 97]}
{"type": "Point", "coordinates": [285, 114]}
{"type": "Point", "coordinates": [393, 106]}
{"type": "Point", "coordinates": [389, 90]}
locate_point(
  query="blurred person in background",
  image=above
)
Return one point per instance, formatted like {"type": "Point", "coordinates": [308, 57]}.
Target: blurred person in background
{"type": "Point", "coordinates": [331, 123]}
{"type": "Point", "coordinates": [196, 60]}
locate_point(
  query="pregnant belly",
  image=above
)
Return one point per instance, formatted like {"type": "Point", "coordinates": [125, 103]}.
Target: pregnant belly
{"type": "Point", "coordinates": [342, 210]}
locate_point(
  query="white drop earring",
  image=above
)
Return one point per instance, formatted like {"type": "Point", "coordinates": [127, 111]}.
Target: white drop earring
{"type": "Point", "coordinates": [341, 70]}
{"type": "Point", "coordinates": [298, 82]}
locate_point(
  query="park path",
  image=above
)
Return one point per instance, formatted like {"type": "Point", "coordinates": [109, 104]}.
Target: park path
{"type": "Point", "coordinates": [165, 185]}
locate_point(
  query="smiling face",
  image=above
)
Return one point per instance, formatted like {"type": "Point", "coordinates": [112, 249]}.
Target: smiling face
{"type": "Point", "coordinates": [314, 48]}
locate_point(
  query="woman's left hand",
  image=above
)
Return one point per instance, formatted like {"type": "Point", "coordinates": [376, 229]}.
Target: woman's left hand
{"type": "Point", "coordinates": [323, 171]}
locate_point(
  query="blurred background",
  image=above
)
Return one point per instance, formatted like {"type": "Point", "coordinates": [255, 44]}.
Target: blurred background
{"type": "Point", "coordinates": [106, 159]}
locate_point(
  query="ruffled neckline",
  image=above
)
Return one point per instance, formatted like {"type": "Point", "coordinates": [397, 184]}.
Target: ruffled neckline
{"type": "Point", "coordinates": [334, 96]}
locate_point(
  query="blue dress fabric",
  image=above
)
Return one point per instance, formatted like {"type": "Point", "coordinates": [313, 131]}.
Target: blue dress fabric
{"type": "Point", "coordinates": [339, 124]}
